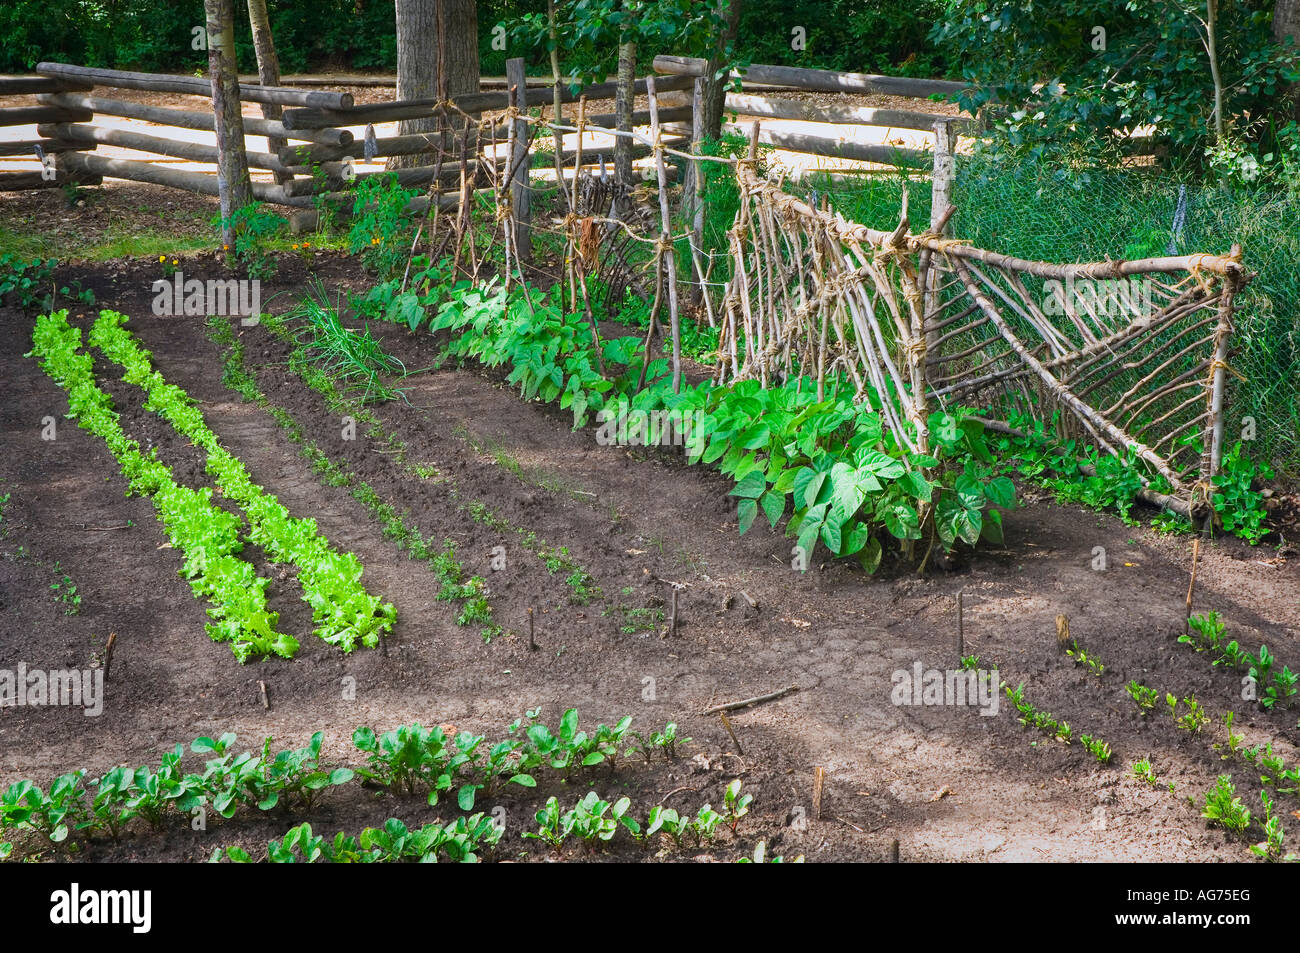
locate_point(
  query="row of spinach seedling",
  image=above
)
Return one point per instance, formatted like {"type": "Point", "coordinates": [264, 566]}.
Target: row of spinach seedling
{"type": "Point", "coordinates": [1275, 689]}
{"type": "Point", "coordinates": [1222, 806]}
{"type": "Point", "coordinates": [410, 759]}
{"type": "Point", "coordinates": [592, 822]}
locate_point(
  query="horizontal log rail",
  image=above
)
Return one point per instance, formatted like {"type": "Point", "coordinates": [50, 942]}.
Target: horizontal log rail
{"type": "Point", "coordinates": [774, 108]}
{"type": "Point", "coordinates": [194, 85]}
{"type": "Point", "coordinates": [137, 171]}
{"type": "Point", "coordinates": [26, 115]}
{"type": "Point", "coordinates": [167, 148]}
{"type": "Point", "coordinates": [26, 85]}
{"type": "Point", "coordinates": [472, 103]}
{"type": "Point", "coordinates": [27, 147]}
{"type": "Point", "coordinates": [191, 118]}
{"type": "Point", "coordinates": [26, 181]}
{"type": "Point", "coordinates": [818, 80]}
{"type": "Point", "coordinates": [835, 148]}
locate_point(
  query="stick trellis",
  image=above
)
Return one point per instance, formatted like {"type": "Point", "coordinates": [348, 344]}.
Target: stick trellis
{"type": "Point", "coordinates": [1131, 355]}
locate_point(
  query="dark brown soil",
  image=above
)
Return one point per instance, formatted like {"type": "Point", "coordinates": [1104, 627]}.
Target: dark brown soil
{"type": "Point", "coordinates": [946, 782]}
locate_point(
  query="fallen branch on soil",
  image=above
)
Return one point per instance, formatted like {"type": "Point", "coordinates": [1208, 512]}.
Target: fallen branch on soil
{"type": "Point", "coordinates": [756, 700]}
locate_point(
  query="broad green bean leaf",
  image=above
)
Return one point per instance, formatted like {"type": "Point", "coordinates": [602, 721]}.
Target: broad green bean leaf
{"type": "Point", "coordinates": [746, 512]}
{"type": "Point", "coordinates": [1001, 491]}
{"type": "Point", "coordinates": [773, 504]}
{"type": "Point", "coordinates": [751, 485]}
{"type": "Point", "coordinates": [881, 465]}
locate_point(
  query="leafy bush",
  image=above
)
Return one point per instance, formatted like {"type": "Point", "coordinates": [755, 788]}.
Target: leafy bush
{"type": "Point", "coordinates": [254, 226]}
{"type": "Point", "coordinates": [380, 227]}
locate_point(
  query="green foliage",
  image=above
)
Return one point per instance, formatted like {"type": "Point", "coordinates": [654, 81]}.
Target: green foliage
{"type": "Point", "coordinates": [1145, 697]}
{"type": "Point", "coordinates": [1033, 717]}
{"type": "Point", "coordinates": [665, 741]}
{"type": "Point", "coordinates": [1143, 771]}
{"type": "Point", "coordinates": [590, 32]}
{"type": "Point", "coordinates": [254, 225]}
{"type": "Point", "coordinates": [380, 229]}
{"type": "Point", "coordinates": [736, 804]}
{"type": "Point", "coordinates": [1271, 849]}
{"type": "Point", "coordinates": [1207, 633]}
{"type": "Point", "coordinates": [22, 281]}
{"type": "Point", "coordinates": [1240, 507]}
{"type": "Point", "coordinates": [1081, 657]}
{"type": "Point", "coordinates": [1224, 807]}
{"type": "Point", "coordinates": [1193, 720]}
{"type": "Point", "coordinates": [351, 357]}
{"type": "Point", "coordinates": [1150, 70]}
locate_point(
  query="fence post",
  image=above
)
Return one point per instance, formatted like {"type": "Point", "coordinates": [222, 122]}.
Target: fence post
{"type": "Point", "coordinates": [940, 206]}
{"type": "Point", "coordinates": [520, 194]}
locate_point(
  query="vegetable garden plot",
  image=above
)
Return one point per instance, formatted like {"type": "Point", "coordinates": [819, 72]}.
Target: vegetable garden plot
{"type": "Point", "coordinates": [1131, 354]}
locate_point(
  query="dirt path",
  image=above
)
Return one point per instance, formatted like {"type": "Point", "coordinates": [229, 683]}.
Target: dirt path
{"type": "Point", "coordinates": [947, 782]}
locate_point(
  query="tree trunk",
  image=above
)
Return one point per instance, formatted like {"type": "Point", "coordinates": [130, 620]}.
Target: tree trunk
{"type": "Point", "coordinates": [268, 71]}
{"type": "Point", "coordinates": [715, 90]}
{"type": "Point", "coordinates": [1286, 23]}
{"type": "Point", "coordinates": [429, 31]}
{"type": "Point", "coordinates": [623, 100]}
{"type": "Point", "coordinates": [235, 189]}
{"type": "Point", "coordinates": [1212, 48]}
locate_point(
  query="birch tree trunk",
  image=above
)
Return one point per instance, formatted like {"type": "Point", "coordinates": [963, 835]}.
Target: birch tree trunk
{"type": "Point", "coordinates": [623, 99]}
{"type": "Point", "coordinates": [715, 90]}
{"type": "Point", "coordinates": [268, 71]}
{"type": "Point", "coordinates": [234, 186]}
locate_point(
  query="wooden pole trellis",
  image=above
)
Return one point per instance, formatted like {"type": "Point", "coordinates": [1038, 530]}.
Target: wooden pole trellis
{"type": "Point", "coordinates": [1132, 353]}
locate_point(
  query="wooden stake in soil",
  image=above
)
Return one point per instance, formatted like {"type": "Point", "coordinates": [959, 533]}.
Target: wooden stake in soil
{"type": "Point", "coordinates": [1196, 553]}
{"type": "Point", "coordinates": [893, 852]}
{"type": "Point", "coordinates": [961, 631]}
{"type": "Point", "coordinates": [108, 653]}
{"type": "Point", "coordinates": [672, 623]}
{"type": "Point", "coordinates": [1062, 633]}
{"type": "Point", "coordinates": [665, 248]}
{"type": "Point", "coordinates": [819, 780]}
{"type": "Point", "coordinates": [726, 723]}
{"type": "Point", "coordinates": [532, 642]}
{"type": "Point", "coordinates": [261, 690]}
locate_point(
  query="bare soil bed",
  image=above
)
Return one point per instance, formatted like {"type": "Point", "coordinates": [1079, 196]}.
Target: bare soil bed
{"type": "Point", "coordinates": [946, 782]}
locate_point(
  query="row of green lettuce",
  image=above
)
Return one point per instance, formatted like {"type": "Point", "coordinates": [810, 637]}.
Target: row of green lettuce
{"type": "Point", "coordinates": [208, 536]}
{"type": "Point", "coordinates": [831, 465]}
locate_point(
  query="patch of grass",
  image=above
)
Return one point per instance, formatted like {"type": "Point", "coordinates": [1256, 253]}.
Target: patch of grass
{"type": "Point", "coordinates": [636, 620]}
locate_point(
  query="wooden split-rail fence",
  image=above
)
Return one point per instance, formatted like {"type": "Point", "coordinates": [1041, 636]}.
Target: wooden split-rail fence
{"type": "Point", "coordinates": [321, 132]}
